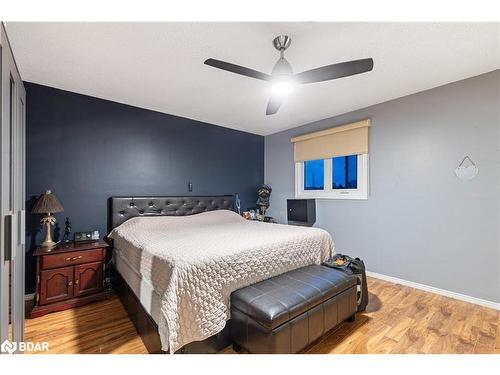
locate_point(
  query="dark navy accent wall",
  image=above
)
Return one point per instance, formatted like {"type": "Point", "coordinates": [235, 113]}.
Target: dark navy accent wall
{"type": "Point", "coordinates": [87, 149]}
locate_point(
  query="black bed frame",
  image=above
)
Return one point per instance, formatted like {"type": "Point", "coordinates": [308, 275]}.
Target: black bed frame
{"type": "Point", "coordinates": [123, 208]}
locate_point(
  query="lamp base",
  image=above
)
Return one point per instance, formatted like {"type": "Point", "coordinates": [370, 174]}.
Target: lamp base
{"type": "Point", "coordinates": [48, 244]}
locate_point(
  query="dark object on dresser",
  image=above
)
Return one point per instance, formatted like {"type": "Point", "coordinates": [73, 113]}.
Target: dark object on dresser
{"type": "Point", "coordinates": [289, 312]}
{"type": "Point", "coordinates": [67, 230]}
{"type": "Point", "coordinates": [356, 267]}
{"type": "Point", "coordinates": [69, 275]}
{"type": "Point", "coordinates": [301, 212]}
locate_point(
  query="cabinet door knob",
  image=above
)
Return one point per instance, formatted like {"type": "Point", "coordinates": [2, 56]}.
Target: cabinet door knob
{"type": "Point", "coordinates": [70, 283]}
{"type": "Point", "coordinates": [76, 282]}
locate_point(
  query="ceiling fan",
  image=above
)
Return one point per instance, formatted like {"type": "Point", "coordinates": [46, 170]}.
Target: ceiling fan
{"type": "Point", "coordinates": [282, 77]}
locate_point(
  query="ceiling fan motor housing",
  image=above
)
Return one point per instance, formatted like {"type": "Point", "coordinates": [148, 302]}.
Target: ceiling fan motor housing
{"type": "Point", "coordinates": [282, 42]}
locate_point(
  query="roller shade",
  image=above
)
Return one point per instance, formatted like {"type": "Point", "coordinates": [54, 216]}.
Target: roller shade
{"type": "Point", "coordinates": [349, 139]}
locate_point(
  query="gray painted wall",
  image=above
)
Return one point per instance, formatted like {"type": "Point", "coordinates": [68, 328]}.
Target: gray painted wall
{"type": "Point", "coordinates": [420, 223]}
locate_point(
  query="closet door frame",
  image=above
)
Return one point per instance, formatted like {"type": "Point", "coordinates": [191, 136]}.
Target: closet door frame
{"type": "Point", "coordinates": [12, 195]}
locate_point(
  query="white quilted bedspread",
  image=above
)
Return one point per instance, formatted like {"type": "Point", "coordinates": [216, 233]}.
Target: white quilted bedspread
{"type": "Point", "coordinates": [195, 262]}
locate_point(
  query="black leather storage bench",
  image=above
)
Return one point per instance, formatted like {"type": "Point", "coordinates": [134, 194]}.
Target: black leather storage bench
{"type": "Point", "coordinates": [288, 312]}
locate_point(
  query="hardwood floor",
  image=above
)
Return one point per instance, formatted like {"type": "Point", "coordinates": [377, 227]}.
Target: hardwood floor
{"type": "Point", "coordinates": [399, 319]}
{"type": "Point", "coordinates": [101, 327]}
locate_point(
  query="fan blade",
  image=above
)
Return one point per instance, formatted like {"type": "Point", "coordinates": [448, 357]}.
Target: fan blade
{"type": "Point", "coordinates": [238, 69]}
{"type": "Point", "coordinates": [273, 105]}
{"type": "Point", "coordinates": [334, 71]}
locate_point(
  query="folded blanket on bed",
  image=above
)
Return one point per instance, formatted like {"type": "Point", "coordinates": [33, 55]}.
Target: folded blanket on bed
{"type": "Point", "coordinates": [195, 262]}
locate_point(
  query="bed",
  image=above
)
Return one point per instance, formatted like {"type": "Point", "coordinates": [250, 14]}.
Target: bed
{"type": "Point", "coordinates": [182, 257]}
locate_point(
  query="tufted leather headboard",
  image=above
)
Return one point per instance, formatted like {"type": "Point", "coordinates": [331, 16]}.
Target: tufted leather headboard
{"type": "Point", "coordinates": [124, 208]}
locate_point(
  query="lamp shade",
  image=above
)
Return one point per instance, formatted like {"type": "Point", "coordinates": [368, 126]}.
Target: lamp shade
{"type": "Point", "coordinates": [47, 203]}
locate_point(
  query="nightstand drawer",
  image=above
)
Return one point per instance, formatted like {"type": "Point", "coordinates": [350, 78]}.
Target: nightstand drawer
{"type": "Point", "coordinates": [72, 258]}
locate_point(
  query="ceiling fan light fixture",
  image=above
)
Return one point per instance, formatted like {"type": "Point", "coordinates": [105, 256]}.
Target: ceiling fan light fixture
{"type": "Point", "coordinates": [282, 88]}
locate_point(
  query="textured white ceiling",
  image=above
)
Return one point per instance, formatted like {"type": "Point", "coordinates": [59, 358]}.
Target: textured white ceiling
{"type": "Point", "coordinates": [159, 66]}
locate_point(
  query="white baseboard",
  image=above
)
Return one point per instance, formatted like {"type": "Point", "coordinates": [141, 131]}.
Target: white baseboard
{"type": "Point", "coordinates": [427, 288]}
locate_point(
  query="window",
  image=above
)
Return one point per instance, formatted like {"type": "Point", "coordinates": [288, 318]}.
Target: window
{"type": "Point", "coordinates": [314, 175]}
{"type": "Point", "coordinates": [332, 163]}
{"type": "Point", "coordinates": [345, 172]}
{"type": "Point", "coordinates": [341, 177]}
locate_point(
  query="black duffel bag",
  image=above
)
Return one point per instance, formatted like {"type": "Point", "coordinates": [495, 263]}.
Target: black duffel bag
{"type": "Point", "coordinates": [354, 266]}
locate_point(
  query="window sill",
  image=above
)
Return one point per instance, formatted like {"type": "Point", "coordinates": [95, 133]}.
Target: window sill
{"type": "Point", "coordinates": [351, 196]}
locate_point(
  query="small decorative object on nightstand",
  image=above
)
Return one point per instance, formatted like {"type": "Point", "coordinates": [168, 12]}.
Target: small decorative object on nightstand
{"type": "Point", "coordinates": [249, 215]}
{"type": "Point", "coordinates": [69, 275]}
{"type": "Point", "coordinates": [67, 230]}
{"type": "Point", "coordinates": [48, 204]}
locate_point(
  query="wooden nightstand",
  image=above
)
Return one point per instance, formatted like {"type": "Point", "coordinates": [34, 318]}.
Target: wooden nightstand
{"type": "Point", "coordinates": [69, 275]}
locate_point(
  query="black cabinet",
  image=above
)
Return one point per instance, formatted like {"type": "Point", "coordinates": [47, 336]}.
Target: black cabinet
{"type": "Point", "coordinates": [301, 212]}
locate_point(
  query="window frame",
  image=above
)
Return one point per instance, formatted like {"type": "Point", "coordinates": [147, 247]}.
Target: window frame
{"type": "Point", "coordinates": [328, 192]}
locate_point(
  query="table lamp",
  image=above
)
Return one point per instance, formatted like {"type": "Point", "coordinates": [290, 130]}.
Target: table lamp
{"type": "Point", "coordinates": [48, 204]}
